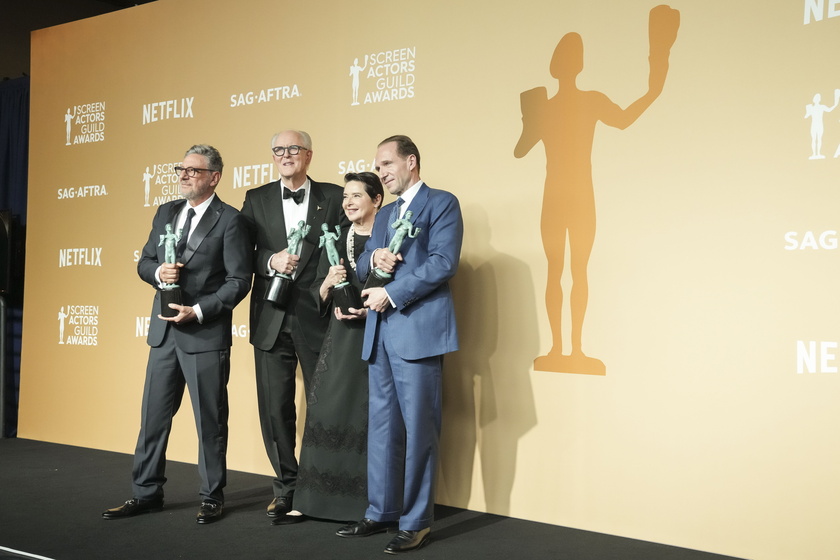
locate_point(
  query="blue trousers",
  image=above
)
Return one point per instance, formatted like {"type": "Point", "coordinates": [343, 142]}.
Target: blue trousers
{"type": "Point", "coordinates": [403, 435]}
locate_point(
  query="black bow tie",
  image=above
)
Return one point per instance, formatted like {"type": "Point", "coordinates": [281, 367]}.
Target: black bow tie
{"type": "Point", "coordinates": [296, 195]}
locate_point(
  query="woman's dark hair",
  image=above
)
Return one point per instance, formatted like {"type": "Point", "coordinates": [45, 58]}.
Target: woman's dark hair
{"type": "Point", "coordinates": [373, 186]}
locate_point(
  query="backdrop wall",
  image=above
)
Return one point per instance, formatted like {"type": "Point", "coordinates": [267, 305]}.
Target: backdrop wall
{"type": "Point", "coordinates": [704, 411]}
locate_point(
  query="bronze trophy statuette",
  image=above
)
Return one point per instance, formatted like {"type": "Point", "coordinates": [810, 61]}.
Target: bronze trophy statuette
{"type": "Point", "coordinates": [345, 295]}
{"type": "Point", "coordinates": [170, 293]}
{"type": "Point", "coordinates": [402, 228]}
{"type": "Point", "coordinates": [280, 286]}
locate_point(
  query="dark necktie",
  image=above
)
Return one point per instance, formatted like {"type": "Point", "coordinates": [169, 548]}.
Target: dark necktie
{"type": "Point", "coordinates": [297, 195]}
{"type": "Point", "coordinates": [185, 233]}
{"type": "Point", "coordinates": [395, 215]}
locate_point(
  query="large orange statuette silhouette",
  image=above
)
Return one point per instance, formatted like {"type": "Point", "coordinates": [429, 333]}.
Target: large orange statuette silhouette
{"type": "Point", "coordinates": [566, 125]}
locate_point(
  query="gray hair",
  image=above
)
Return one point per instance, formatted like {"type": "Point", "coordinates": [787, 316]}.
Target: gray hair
{"type": "Point", "coordinates": [214, 158]}
{"type": "Point", "coordinates": [304, 136]}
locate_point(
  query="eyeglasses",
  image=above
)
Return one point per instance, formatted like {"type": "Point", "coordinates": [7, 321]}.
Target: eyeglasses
{"type": "Point", "coordinates": [291, 150]}
{"type": "Point", "coordinates": [191, 171]}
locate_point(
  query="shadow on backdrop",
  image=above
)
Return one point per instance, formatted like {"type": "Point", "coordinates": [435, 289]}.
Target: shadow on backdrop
{"type": "Point", "coordinates": [488, 398]}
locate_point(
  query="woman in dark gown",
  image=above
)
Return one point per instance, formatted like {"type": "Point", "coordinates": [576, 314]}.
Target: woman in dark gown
{"type": "Point", "coordinates": [332, 472]}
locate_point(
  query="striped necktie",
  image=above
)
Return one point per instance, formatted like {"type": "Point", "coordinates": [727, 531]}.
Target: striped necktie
{"type": "Point", "coordinates": [395, 215]}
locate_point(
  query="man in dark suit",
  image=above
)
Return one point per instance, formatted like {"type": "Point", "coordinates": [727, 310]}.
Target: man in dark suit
{"type": "Point", "coordinates": [288, 332]}
{"type": "Point", "coordinates": [213, 270]}
{"type": "Point", "coordinates": [410, 326]}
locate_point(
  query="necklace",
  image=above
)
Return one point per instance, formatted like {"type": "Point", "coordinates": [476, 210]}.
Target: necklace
{"type": "Point", "coordinates": [351, 246]}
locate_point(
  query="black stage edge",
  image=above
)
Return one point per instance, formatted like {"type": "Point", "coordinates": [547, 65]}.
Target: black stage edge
{"type": "Point", "coordinates": [52, 496]}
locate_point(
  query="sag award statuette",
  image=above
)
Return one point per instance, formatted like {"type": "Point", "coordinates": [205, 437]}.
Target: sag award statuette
{"type": "Point", "coordinates": [281, 284]}
{"type": "Point", "coordinates": [402, 228]}
{"type": "Point", "coordinates": [345, 295]}
{"type": "Point", "coordinates": [169, 293]}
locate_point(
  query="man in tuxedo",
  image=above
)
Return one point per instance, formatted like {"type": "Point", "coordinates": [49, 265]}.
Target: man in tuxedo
{"type": "Point", "coordinates": [410, 326]}
{"type": "Point", "coordinates": [213, 270]}
{"type": "Point", "coordinates": [288, 332]}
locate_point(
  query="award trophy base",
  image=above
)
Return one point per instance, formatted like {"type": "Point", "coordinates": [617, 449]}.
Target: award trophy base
{"type": "Point", "coordinates": [171, 293]}
{"type": "Point", "coordinates": [279, 290]}
{"type": "Point", "coordinates": [345, 296]}
{"type": "Point", "coordinates": [378, 279]}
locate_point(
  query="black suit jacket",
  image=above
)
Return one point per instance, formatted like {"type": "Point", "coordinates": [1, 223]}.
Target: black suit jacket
{"type": "Point", "coordinates": [263, 209]}
{"type": "Point", "coordinates": [216, 274]}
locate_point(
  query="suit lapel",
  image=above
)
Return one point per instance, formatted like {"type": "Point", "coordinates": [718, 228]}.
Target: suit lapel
{"type": "Point", "coordinates": [419, 201]}
{"type": "Point", "coordinates": [174, 211]}
{"type": "Point", "coordinates": [416, 207]}
{"type": "Point", "coordinates": [274, 219]}
{"type": "Point", "coordinates": [314, 218]}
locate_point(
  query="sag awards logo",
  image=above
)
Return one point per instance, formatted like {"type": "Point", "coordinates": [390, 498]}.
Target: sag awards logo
{"type": "Point", "coordinates": [816, 111]}
{"type": "Point", "coordinates": [355, 166]}
{"type": "Point", "coordinates": [160, 184]}
{"type": "Point", "coordinates": [87, 191]}
{"type": "Point", "coordinates": [384, 76]}
{"type": "Point", "coordinates": [85, 123]}
{"type": "Point", "coordinates": [810, 240]}
{"type": "Point", "coordinates": [78, 325]}
{"type": "Point", "coordinates": [264, 95]}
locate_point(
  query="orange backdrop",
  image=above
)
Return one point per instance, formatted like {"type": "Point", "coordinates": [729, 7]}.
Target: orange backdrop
{"type": "Point", "coordinates": [686, 256]}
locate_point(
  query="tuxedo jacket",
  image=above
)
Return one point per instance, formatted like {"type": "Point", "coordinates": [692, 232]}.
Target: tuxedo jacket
{"type": "Point", "coordinates": [263, 210]}
{"type": "Point", "coordinates": [216, 274]}
{"type": "Point", "coordinates": [423, 323]}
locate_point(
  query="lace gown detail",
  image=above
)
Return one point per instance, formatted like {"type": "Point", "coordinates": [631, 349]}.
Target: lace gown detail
{"type": "Point", "coordinates": [332, 473]}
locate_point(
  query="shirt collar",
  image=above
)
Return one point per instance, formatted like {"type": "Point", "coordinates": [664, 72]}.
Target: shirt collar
{"type": "Point", "coordinates": [201, 208]}
{"type": "Point", "coordinates": [409, 195]}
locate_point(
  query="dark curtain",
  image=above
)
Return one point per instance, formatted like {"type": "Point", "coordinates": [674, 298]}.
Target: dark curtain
{"type": "Point", "coordinates": [14, 162]}
{"type": "Point", "coordinates": [14, 145]}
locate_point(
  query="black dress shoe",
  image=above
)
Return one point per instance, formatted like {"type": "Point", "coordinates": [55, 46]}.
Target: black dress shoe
{"type": "Point", "coordinates": [279, 506]}
{"type": "Point", "coordinates": [132, 507]}
{"type": "Point", "coordinates": [409, 540]}
{"type": "Point", "coordinates": [288, 518]}
{"type": "Point", "coordinates": [365, 527]}
{"type": "Point", "coordinates": [209, 512]}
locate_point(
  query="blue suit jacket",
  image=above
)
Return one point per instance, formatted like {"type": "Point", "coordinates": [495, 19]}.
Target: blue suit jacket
{"type": "Point", "coordinates": [424, 318]}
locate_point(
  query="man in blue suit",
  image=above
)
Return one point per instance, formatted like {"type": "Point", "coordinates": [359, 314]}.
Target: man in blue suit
{"type": "Point", "coordinates": [410, 326]}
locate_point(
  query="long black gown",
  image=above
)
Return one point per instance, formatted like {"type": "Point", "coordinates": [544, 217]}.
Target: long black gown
{"type": "Point", "coordinates": [332, 472]}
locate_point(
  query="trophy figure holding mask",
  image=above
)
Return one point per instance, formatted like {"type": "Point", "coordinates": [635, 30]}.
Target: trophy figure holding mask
{"type": "Point", "coordinates": [281, 284]}
{"type": "Point", "coordinates": [345, 295]}
{"type": "Point", "coordinates": [402, 228]}
{"type": "Point", "coordinates": [170, 293]}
